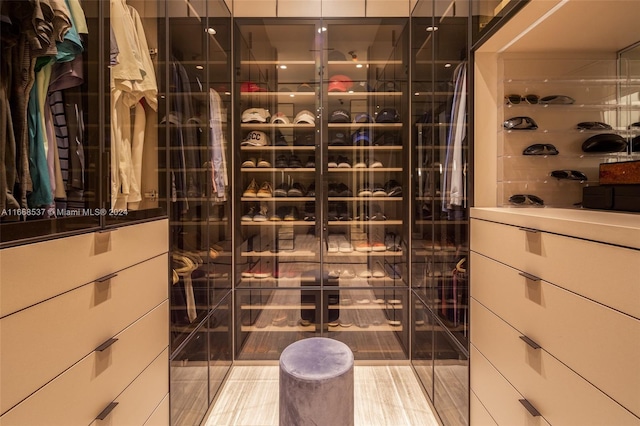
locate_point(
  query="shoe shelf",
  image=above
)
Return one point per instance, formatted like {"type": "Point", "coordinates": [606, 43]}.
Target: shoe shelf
{"type": "Point", "coordinates": [372, 199]}
{"type": "Point", "coordinates": [371, 305]}
{"type": "Point", "coordinates": [367, 327]}
{"type": "Point", "coordinates": [276, 170]}
{"type": "Point", "coordinates": [280, 253]}
{"type": "Point", "coordinates": [281, 97]}
{"type": "Point", "coordinates": [261, 126]}
{"type": "Point", "coordinates": [356, 253]}
{"type": "Point", "coordinates": [365, 148]}
{"type": "Point", "coordinates": [278, 328]}
{"type": "Point", "coordinates": [279, 222]}
{"type": "Point", "coordinates": [363, 169]}
{"type": "Point", "coordinates": [277, 199]}
{"type": "Point", "coordinates": [276, 307]}
{"type": "Point", "coordinates": [365, 125]}
{"type": "Point", "coordinates": [355, 222]}
{"type": "Point", "coordinates": [277, 148]}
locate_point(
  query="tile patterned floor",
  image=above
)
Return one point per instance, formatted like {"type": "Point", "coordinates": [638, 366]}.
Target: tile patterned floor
{"type": "Point", "coordinates": [384, 396]}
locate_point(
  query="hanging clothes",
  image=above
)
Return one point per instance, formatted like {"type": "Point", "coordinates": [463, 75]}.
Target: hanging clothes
{"type": "Point", "coordinates": [453, 183]}
{"type": "Point", "coordinates": [132, 79]}
{"type": "Point", "coordinates": [219, 176]}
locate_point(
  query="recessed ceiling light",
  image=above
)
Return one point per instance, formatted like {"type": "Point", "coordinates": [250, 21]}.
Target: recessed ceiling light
{"type": "Point", "coordinates": [359, 66]}
{"type": "Point", "coordinates": [430, 28]}
{"type": "Point", "coordinates": [447, 65]}
{"type": "Point", "coordinates": [417, 94]}
{"type": "Point", "coordinates": [210, 31]}
{"type": "Point", "coordinates": [199, 67]}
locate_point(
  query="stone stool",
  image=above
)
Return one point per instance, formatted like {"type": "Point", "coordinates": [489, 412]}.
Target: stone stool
{"type": "Point", "coordinates": [316, 383]}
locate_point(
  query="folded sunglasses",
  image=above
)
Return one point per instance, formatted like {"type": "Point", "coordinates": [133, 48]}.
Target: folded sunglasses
{"type": "Point", "coordinates": [524, 199]}
{"type": "Point", "coordinates": [540, 149]}
{"type": "Point", "coordinates": [517, 99]}
{"type": "Point", "coordinates": [569, 174]}
{"type": "Point", "coordinates": [557, 100]}
{"type": "Point", "coordinates": [593, 125]}
{"type": "Point", "coordinates": [520, 123]}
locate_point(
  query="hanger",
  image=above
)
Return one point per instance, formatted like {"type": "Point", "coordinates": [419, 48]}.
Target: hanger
{"type": "Point", "coordinates": [459, 267]}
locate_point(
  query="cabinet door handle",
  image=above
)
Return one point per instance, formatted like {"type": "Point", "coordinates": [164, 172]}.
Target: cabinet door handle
{"type": "Point", "coordinates": [106, 277]}
{"type": "Point", "coordinates": [529, 276]}
{"type": "Point", "coordinates": [530, 408]}
{"type": "Point", "coordinates": [525, 229]}
{"type": "Point", "coordinates": [530, 342]}
{"type": "Point", "coordinates": [105, 345]}
{"type": "Point", "coordinates": [108, 409]}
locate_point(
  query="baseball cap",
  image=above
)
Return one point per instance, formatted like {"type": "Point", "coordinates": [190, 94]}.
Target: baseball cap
{"type": "Point", "coordinates": [255, 115]}
{"type": "Point", "coordinates": [388, 139]}
{"type": "Point", "coordinates": [388, 115]}
{"type": "Point", "coordinates": [305, 116]}
{"type": "Point", "coordinates": [340, 83]}
{"type": "Point", "coordinates": [340, 116]}
{"type": "Point", "coordinates": [304, 139]}
{"type": "Point", "coordinates": [361, 137]}
{"type": "Point", "coordinates": [256, 138]}
{"type": "Point", "coordinates": [280, 117]}
{"type": "Point", "coordinates": [249, 86]}
{"type": "Point", "coordinates": [363, 117]}
{"type": "Point", "coordinates": [338, 138]}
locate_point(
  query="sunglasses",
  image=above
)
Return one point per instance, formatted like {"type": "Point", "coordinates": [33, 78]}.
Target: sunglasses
{"type": "Point", "coordinates": [516, 99]}
{"type": "Point", "coordinates": [569, 174]}
{"type": "Point", "coordinates": [593, 125]}
{"type": "Point", "coordinates": [520, 123]}
{"type": "Point", "coordinates": [522, 199]}
{"type": "Point", "coordinates": [557, 100]}
{"type": "Point", "coordinates": [540, 149]}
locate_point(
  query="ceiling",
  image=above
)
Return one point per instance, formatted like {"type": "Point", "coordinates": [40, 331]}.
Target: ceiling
{"type": "Point", "coordinates": [570, 26]}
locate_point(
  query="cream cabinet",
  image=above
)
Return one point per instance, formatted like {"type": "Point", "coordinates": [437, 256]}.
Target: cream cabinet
{"type": "Point", "coordinates": [89, 339]}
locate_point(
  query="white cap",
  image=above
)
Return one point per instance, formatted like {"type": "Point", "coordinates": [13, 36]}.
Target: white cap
{"type": "Point", "coordinates": [305, 116]}
{"type": "Point", "coordinates": [255, 115]}
{"type": "Point", "coordinates": [281, 118]}
{"type": "Point", "coordinates": [256, 138]}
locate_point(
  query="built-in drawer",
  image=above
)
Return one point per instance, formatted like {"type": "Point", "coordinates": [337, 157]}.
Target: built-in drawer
{"type": "Point", "coordinates": [81, 393]}
{"type": "Point", "coordinates": [35, 272]}
{"type": "Point", "coordinates": [582, 334]}
{"type": "Point", "coordinates": [478, 415]}
{"type": "Point", "coordinates": [559, 394]}
{"type": "Point", "coordinates": [68, 327]}
{"type": "Point", "coordinates": [605, 273]}
{"type": "Point", "coordinates": [497, 396]}
{"type": "Point", "coordinates": [160, 416]}
{"type": "Point", "coordinates": [141, 398]}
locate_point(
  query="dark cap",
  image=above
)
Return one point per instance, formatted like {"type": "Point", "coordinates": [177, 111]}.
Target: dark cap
{"type": "Point", "coordinates": [388, 115]}
{"type": "Point", "coordinates": [340, 116]}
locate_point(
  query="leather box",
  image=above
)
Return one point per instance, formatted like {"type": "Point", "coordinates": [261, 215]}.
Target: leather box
{"type": "Point", "coordinates": [624, 172]}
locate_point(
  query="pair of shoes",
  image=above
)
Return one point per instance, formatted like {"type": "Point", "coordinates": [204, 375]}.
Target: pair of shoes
{"type": "Point", "coordinates": [392, 242]}
{"type": "Point", "coordinates": [340, 161]}
{"type": "Point", "coordinates": [393, 188]}
{"type": "Point", "coordinates": [292, 162]}
{"type": "Point", "coordinates": [286, 213]}
{"type": "Point", "coordinates": [295, 190]}
{"type": "Point", "coordinates": [253, 191]}
{"type": "Point", "coordinates": [370, 163]}
{"type": "Point", "coordinates": [375, 190]}
{"type": "Point", "coordinates": [252, 163]}
{"type": "Point", "coordinates": [339, 190]}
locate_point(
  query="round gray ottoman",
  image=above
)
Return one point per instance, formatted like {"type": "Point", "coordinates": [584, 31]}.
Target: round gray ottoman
{"type": "Point", "coordinates": [316, 383]}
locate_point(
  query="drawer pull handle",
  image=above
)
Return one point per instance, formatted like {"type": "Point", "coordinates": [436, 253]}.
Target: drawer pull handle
{"type": "Point", "coordinates": [533, 231]}
{"type": "Point", "coordinates": [530, 342]}
{"type": "Point", "coordinates": [529, 276]}
{"type": "Point", "coordinates": [104, 413]}
{"type": "Point", "coordinates": [106, 344]}
{"type": "Point", "coordinates": [106, 277]}
{"type": "Point", "coordinates": [530, 408]}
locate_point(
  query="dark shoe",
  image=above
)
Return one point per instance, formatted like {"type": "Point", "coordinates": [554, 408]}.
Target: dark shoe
{"type": "Point", "coordinates": [281, 190]}
{"type": "Point", "coordinates": [378, 190]}
{"type": "Point", "coordinates": [343, 190]}
{"type": "Point", "coordinates": [311, 162]}
{"type": "Point", "coordinates": [281, 161]}
{"type": "Point", "coordinates": [343, 162]}
{"type": "Point", "coordinates": [292, 214]}
{"type": "Point", "coordinates": [377, 213]}
{"type": "Point", "coordinates": [333, 190]}
{"type": "Point", "coordinates": [296, 190]}
{"type": "Point", "coordinates": [311, 191]}
{"type": "Point", "coordinates": [393, 188]}
{"type": "Point", "coordinates": [294, 162]}
{"type": "Point", "coordinates": [331, 163]}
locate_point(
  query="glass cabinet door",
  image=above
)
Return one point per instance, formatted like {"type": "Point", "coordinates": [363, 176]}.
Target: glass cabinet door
{"type": "Point", "coordinates": [365, 107]}
{"type": "Point", "coordinates": [133, 183]}
{"type": "Point", "coordinates": [277, 248]}
{"type": "Point", "coordinates": [51, 115]}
